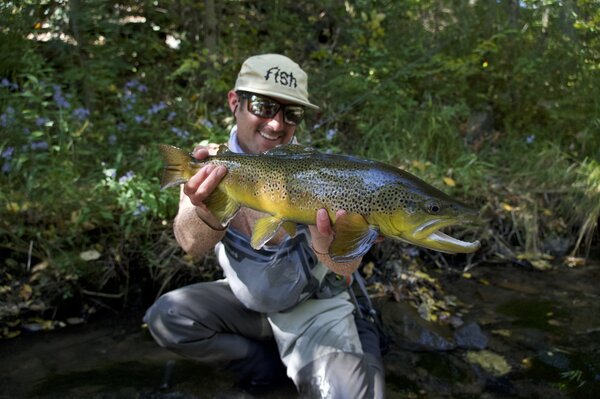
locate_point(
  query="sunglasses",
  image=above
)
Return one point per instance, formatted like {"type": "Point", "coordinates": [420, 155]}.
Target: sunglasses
{"type": "Point", "coordinates": [266, 108]}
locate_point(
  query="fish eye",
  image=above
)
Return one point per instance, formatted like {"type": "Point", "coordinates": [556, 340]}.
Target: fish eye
{"type": "Point", "coordinates": [433, 207]}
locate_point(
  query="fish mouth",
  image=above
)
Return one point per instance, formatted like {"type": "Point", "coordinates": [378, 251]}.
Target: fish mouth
{"type": "Point", "coordinates": [428, 235]}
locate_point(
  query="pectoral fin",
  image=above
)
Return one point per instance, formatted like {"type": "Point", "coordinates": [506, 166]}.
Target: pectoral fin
{"type": "Point", "coordinates": [264, 230]}
{"type": "Point", "coordinates": [353, 238]}
{"type": "Point", "coordinates": [222, 207]}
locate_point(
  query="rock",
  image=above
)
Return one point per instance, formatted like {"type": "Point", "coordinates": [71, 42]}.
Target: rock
{"type": "Point", "coordinates": [412, 332]}
{"type": "Point", "coordinates": [470, 336]}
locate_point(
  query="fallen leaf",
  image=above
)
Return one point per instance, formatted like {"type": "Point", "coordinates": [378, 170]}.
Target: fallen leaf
{"type": "Point", "coordinates": [90, 255]}
{"type": "Point", "coordinates": [25, 292]}
{"type": "Point", "coordinates": [39, 267]}
{"type": "Point", "coordinates": [541, 264]}
{"type": "Point", "coordinates": [573, 261]}
{"type": "Point", "coordinates": [489, 361]}
{"type": "Point", "coordinates": [368, 269]}
{"type": "Point", "coordinates": [75, 320]}
{"type": "Point", "coordinates": [502, 332]}
{"type": "Point", "coordinates": [449, 181]}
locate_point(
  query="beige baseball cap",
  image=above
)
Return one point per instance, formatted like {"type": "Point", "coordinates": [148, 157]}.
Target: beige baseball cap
{"type": "Point", "coordinates": [276, 76]}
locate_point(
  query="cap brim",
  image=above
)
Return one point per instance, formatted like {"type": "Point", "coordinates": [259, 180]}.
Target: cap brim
{"type": "Point", "coordinates": [278, 96]}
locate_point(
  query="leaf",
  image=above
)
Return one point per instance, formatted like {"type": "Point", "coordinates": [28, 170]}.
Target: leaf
{"type": "Point", "coordinates": [90, 255]}
{"type": "Point", "coordinates": [489, 361]}
{"type": "Point", "coordinates": [541, 264]}
{"type": "Point", "coordinates": [449, 181]}
{"type": "Point", "coordinates": [25, 291]}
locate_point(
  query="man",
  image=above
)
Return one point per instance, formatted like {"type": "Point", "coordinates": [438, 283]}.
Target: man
{"type": "Point", "coordinates": [280, 310]}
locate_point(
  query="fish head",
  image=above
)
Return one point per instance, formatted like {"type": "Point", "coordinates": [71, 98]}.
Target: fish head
{"type": "Point", "coordinates": [418, 214]}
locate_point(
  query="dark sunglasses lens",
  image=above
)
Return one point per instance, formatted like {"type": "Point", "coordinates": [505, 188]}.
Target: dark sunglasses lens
{"type": "Point", "coordinates": [263, 108]}
{"type": "Point", "coordinates": [293, 115]}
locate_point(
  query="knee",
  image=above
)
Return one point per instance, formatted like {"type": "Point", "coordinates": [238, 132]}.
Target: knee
{"type": "Point", "coordinates": [342, 375]}
{"type": "Point", "coordinates": [170, 322]}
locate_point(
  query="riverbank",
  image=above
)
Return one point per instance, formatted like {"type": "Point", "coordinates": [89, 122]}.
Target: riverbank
{"type": "Point", "coordinates": [522, 333]}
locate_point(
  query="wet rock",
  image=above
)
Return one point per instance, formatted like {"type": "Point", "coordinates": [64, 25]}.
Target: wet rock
{"type": "Point", "coordinates": [500, 386]}
{"type": "Point", "coordinates": [470, 336]}
{"type": "Point", "coordinates": [412, 332]}
{"type": "Point", "coordinates": [554, 359]}
{"type": "Point", "coordinates": [557, 246]}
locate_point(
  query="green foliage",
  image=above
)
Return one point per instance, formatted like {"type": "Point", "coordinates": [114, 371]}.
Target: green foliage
{"type": "Point", "coordinates": [88, 88]}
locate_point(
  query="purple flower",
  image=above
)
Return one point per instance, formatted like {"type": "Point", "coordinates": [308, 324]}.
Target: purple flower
{"type": "Point", "coordinates": [139, 118]}
{"type": "Point", "coordinates": [171, 116]}
{"type": "Point", "coordinates": [121, 126]}
{"type": "Point", "coordinates": [6, 167]}
{"type": "Point", "coordinates": [142, 88]}
{"type": "Point", "coordinates": [81, 114]}
{"type": "Point", "coordinates": [156, 108]}
{"type": "Point", "coordinates": [8, 117]}
{"type": "Point", "coordinates": [112, 139]}
{"type": "Point", "coordinates": [208, 124]}
{"type": "Point", "coordinates": [130, 96]}
{"type": "Point", "coordinates": [140, 209]}
{"type": "Point", "coordinates": [132, 83]}
{"type": "Point", "coordinates": [530, 139]}
{"type": "Point", "coordinates": [41, 121]}
{"type": "Point", "coordinates": [330, 134]}
{"type": "Point", "coordinates": [7, 153]}
{"type": "Point", "coordinates": [38, 145]}
{"type": "Point", "coordinates": [126, 177]}
{"type": "Point", "coordinates": [184, 134]}
{"type": "Point", "coordinates": [59, 99]}
{"type": "Point", "coordinates": [7, 83]}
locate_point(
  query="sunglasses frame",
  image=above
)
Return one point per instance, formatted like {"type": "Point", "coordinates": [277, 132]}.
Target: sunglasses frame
{"type": "Point", "coordinates": [252, 98]}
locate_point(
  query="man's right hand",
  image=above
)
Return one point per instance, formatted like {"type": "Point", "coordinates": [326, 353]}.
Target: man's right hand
{"type": "Point", "coordinates": [204, 182]}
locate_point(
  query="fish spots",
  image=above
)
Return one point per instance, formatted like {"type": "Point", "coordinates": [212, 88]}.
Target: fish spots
{"type": "Point", "coordinates": [304, 182]}
{"type": "Point", "coordinates": [394, 197]}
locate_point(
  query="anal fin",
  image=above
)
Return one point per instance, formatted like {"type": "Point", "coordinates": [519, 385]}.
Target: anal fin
{"type": "Point", "coordinates": [353, 238]}
{"type": "Point", "coordinates": [264, 229]}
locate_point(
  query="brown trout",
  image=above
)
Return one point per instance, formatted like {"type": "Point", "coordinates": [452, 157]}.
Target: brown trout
{"type": "Point", "coordinates": [291, 182]}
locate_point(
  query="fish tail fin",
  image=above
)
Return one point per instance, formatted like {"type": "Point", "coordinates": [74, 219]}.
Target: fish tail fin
{"type": "Point", "coordinates": [178, 168]}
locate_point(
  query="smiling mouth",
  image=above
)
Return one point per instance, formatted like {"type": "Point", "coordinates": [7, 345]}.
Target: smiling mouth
{"type": "Point", "coordinates": [270, 137]}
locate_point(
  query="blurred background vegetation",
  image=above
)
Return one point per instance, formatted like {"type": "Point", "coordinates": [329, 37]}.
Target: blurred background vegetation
{"type": "Point", "coordinates": [495, 102]}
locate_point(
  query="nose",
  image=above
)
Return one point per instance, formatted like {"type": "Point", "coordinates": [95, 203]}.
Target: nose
{"type": "Point", "coordinates": [276, 121]}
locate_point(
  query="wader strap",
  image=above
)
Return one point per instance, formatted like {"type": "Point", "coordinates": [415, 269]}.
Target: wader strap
{"type": "Point", "coordinates": [372, 315]}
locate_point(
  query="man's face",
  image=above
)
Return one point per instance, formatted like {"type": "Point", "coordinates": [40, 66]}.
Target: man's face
{"type": "Point", "coordinates": [256, 134]}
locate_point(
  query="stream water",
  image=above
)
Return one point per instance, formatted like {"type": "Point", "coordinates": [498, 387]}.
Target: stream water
{"type": "Point", "coordinates": [534, 335]}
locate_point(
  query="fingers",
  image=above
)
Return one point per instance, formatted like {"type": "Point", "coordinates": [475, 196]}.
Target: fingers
{"type": "Point", "coordinates": [323, 223]}
{"type": "Point", "coordinates": [204, 182]}
{"type": "Point", "coordinates": [200, 152]}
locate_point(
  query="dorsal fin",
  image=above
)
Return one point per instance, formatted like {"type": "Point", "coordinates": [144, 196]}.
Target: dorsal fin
{"type": "Point", "coordinates": [224, 150]}
{"type": "Point", "coordinates": [290, 149]}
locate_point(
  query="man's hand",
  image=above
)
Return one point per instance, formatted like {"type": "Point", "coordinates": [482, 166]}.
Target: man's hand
{"type": "Point", "coordinates": [322, 233]}
{"type": "Point", "coordinates": [203, 183]}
